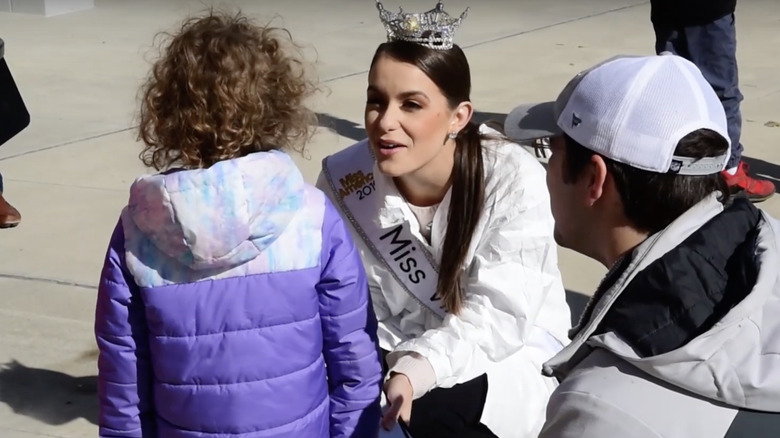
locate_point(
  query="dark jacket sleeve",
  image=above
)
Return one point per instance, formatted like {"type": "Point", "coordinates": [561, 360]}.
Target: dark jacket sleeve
{"type": "Point", "coordinates": [124, 370]}
{"type": "Point", "coordinates": [349, 329]}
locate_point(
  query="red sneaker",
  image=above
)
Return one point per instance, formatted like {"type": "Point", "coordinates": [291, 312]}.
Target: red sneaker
{"type": "Point", "coordinates": [757, 190]}
{"type": "Point", "coordinates": [9, 216]}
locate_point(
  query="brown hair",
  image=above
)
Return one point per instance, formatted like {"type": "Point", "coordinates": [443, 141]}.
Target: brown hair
{"type": "Point", "coordinates": [652, 201]}
{"type": "Point", "coordinates": [449, 70]}
{"type": "Point", "coordinates": [224, 88]}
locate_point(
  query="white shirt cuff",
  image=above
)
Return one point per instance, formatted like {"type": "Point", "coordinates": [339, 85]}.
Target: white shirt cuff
{"type": "Point", "coordinates": [418, 370]}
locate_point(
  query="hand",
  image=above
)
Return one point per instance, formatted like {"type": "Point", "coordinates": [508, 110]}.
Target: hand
{"type": "Point", "coordinates": [399, 398]}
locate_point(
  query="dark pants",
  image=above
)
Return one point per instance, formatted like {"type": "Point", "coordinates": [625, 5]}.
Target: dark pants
{"type": "Point", "coordinates": [1, 183]}
{"type": "Point", "coordinates": [14, 116]}
{"type": "Point", "coordinates": [450, 412]}
{"type": "Point", "coordinates": [713, 48]}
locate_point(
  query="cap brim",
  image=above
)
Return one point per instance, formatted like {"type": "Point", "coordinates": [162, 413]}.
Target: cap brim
{"type": "Point", "coordinates": [531, 121]}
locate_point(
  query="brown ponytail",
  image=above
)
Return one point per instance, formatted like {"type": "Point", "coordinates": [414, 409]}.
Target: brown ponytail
{"type": "Point", "coordinates": [466, 203]}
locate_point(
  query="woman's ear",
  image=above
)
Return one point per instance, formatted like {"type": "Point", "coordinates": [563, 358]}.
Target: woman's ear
{"type": "Point", "coordinates": [461, 116]}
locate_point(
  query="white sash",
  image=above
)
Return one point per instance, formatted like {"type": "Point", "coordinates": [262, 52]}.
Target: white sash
{"type": "Point", "coordinates": [351, 178]}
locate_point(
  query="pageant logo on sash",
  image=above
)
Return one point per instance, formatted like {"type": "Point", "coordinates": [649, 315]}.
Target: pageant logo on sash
{"type": "Point", "coordinates": [350, 175]}
{"type": "Point", "coordinates": [358, 183]}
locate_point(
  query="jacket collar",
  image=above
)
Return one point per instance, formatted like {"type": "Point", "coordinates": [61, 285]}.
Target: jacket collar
{"type": "Point", "coordinates": [682, 294]}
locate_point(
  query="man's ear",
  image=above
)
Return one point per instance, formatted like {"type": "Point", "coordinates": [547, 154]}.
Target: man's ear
{"type": "Point", "coordinates": [462, 116]}
{"type": "Point", "coordinates": [597, 178]}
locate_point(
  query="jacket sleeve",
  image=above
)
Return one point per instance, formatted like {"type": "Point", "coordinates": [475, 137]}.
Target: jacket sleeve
{"type": "Point", "coordinates": [512, 273]}
{"type": "Point", "coordinates": [124, 370]}
{"type": "Point", "coordinates": [574, 414]}
{"type": "Point", "coordinates": [349, 334]}
{"type": "Point", "coordinates": [381, 309]}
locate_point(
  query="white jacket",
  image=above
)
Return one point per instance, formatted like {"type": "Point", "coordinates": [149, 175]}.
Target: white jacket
{"type": "Point", "coordinates": [686, 332]}
{"type": "Point", "coordinates": [515, 314]}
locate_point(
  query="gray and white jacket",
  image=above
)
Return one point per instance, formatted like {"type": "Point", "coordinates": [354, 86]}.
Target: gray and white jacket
{"type": "Point", "coordinates": [682, 340]}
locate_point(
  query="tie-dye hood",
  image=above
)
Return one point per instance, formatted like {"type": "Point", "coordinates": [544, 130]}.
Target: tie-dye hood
{"type": "Point", "coordinates": [219, 217]}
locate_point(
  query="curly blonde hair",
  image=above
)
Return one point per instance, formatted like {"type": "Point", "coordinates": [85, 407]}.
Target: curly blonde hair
{"type": "Point", "coordinates": [224, 88]}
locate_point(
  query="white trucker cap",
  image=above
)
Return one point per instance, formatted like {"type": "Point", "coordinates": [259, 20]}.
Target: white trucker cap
{"type": "Point", "coordinates": [633, 110]}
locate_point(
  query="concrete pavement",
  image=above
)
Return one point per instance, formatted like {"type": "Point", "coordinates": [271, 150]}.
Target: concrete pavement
{"type": "Point", "coordinates": [69, 172]}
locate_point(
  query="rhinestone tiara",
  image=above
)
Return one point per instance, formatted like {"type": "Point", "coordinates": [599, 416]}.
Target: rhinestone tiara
{"type": "Point", "coordinates": [433, 29]}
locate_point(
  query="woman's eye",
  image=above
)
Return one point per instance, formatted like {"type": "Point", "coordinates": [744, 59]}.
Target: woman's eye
{"type": "Point", "coordinates": [412, 105]}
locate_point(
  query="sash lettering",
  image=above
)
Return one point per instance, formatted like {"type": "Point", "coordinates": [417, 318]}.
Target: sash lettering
{"type": "Point", "coordinates": [406, 260]}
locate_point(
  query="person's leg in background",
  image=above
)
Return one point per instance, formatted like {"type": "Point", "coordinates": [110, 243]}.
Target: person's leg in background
{"type": "Point", "coordinates": [9, 216]}
{"type": "Point", "coordinates": [713, 48]}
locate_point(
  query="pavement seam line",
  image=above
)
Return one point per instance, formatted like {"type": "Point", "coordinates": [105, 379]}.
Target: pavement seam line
{"type": "Point", "coordinates": [31, 433]}
{"type": "Point", "coordinates": [70, 186]}
{"type": "Point", "coordinates": [504, 37]}
{"type": "Point", "coordinates": [548, 26]}
{"type": "Point", "coordinates": [49, 280]}
{"type": "Point", "coordinates": [68, 143]}
{"type": "Point", "coordinates": [58, 319]}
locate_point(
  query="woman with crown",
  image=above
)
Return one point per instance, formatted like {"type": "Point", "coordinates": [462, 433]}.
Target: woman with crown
{"type": "Point", "coordinates": [454, 227]}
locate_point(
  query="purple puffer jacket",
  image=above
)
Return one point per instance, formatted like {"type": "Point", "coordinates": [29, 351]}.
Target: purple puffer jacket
{"type": "Point", "coordinates": [233, 304]}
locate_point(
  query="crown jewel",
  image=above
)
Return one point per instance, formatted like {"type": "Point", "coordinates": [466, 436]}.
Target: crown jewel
{"type": "Point", "coordinates": [433, 29]}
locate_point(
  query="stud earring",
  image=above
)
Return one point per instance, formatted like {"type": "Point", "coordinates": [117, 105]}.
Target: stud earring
{"type": "Point", "coordinates": [452, 135]}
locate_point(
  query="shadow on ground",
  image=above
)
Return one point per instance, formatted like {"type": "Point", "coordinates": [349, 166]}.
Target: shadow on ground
{"type": "Point", "coordinates": [343, 127]}
{"type": "Point", "coordinates": [481, 117]}
{"type": "Point", "coordinates": [48, 396]}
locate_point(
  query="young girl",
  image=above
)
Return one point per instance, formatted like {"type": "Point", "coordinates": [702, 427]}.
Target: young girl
{"type": "Point", "coordinates": [232, 300]}
{"type": "Point", "coordinates": [455, 230]}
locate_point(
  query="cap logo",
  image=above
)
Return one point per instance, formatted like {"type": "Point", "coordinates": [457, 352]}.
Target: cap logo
{"type": "Point", "coordinates": [575, 121]}
{"type": "Point", "coordinates": [675, 166]}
